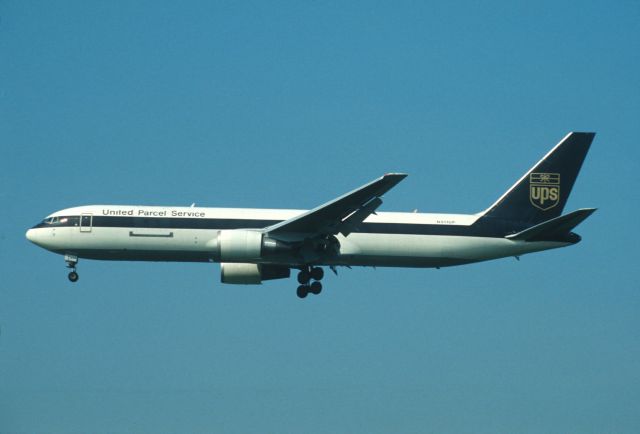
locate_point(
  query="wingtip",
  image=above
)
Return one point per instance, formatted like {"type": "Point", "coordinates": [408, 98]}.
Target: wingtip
{"type": "Point", "coordinates": [395, 175]}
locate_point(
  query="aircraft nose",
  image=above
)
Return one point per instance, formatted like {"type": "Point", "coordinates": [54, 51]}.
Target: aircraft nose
{"type": "Point", "coordinates": [31, 235]}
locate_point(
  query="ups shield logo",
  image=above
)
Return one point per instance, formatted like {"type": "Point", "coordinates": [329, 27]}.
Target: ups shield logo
{"type": "Point", "coordinates": [544, 190]}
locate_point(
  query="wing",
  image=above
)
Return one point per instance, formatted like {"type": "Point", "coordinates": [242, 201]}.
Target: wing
{"type": "Point", "coordinates": [341, 215]}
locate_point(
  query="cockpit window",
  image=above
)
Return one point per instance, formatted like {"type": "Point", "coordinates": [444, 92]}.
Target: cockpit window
{"type": "Point", "coordinates": [61, 221]}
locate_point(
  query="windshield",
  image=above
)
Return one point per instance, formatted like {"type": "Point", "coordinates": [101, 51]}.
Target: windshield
{"type": "Point", "coordinates": [61, 221]}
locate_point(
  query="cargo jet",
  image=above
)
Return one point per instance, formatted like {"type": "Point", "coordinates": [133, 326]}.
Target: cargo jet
{"type": "Point", "coordinates": [254, 245]}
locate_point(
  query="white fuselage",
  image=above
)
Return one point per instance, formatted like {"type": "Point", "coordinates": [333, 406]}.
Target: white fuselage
{"type": "Point", "coordinates": [191, 234]}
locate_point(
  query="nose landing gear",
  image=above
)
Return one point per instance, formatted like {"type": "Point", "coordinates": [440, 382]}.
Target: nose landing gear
{"type": "Point", "coordinates": [71, 261]}
{"type": "Point", "coordinates": [305, 276]}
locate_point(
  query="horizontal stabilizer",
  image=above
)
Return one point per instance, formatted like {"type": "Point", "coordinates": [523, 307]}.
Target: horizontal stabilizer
{"type": "Point", "coordinates": [554, 229]}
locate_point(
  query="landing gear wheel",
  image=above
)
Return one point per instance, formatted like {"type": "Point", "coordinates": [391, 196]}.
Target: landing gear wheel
{"type": "Point", "coordinates": [315, 288]}
{"type": "Point", "coordinates": [317, 273]}
{"type": "Point", "coordinates": [302, 291]}
{"type": "Point", "coordinates": [303, 277]}
{"type": "Point", "coordinates": [73, 276]}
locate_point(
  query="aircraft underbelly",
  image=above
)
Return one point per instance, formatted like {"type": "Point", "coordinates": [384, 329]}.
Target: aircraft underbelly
{"type": "Point", "coordinates": [398, 250]}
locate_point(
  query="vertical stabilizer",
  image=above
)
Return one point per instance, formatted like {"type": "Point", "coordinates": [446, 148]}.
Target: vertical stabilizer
{"type": "Point", "coordinates": [542, 192]}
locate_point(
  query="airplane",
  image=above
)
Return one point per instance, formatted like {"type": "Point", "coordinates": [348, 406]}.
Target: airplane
{"type": "Point", "coordinates": [256, 245]}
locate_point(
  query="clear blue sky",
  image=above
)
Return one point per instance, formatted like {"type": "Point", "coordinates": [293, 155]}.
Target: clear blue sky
{"type": "Point", "coordinates": [289, 104]}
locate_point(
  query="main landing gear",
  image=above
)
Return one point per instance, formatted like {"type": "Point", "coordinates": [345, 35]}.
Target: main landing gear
{"type": "Point", "coordinates": [305, 276]}
{"type": "Point", "coordinates": [71, 261]}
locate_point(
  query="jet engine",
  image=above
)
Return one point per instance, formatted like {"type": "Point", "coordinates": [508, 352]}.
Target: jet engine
{"type": "Point", "coordinates": [241, 245]}
{"type": "Point", "coordinates": [251, 274]}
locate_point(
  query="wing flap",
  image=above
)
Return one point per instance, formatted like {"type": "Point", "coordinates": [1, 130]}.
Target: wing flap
{"type": "Point", "coordinates": [354, 220]}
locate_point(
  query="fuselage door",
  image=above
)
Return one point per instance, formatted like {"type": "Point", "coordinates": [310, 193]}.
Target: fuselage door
{"type": "Point", "coordinates": [86, 221]}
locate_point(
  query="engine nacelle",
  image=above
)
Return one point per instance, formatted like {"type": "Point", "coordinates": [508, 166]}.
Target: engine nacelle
{"type": "Point", "coordinates": [251, 274]}
{"type": "Point", "coordinates": [241, 245]}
